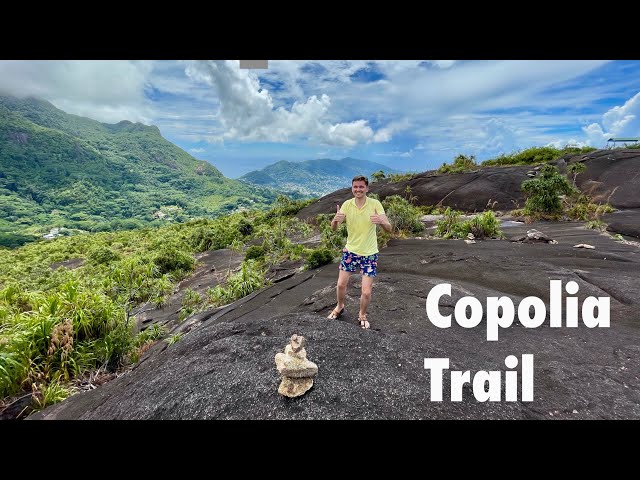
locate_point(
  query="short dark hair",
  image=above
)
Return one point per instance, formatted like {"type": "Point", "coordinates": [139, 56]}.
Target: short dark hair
{"type": "Point", "coordinates": [360, 178]}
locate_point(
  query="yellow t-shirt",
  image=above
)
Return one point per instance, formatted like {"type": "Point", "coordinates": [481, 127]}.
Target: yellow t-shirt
{"type": "Point", "coordinates": [361, 238]}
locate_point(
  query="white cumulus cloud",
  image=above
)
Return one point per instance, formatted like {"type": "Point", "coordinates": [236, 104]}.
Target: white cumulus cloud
{"type": "Point", "coordinates": [108, 91]}
{"type": "Point", "coordinates": [619, 121]}
{"type": "Point", "coordinates": [247, 111]}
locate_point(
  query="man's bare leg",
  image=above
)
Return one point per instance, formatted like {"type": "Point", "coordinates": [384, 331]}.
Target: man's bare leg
{"type": "Point", "coordinates": [341, 288]}
{"type": "Point", "coordinates": [365, 298]}
{"type": "Point", "coordinates": [341, 293]}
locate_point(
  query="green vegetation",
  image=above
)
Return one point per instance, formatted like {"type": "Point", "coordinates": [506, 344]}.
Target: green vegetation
{"type": "Point", "coordinates": [575, 169]}
{"type": "Point", "coordinates": [461, 163]}
{"type": "Point", "coordinates": [431, 209]}
{"type": "Point", "coordinates": [543, 192]}
{"type": "Point", "coordinates": [404, 217]}
{"type": "Point", "coordinates": [535, 155]}
{"type": "Point", "coordinates": [551, 196]}
{"type": "Point", "coordinates": [255, 252]}
{"type": "Point", "coordinates": [59, 324]}
{"type": "Point", "coordinates": [580, 207]}
{"type": "Point", "coordinates": [483, 225]}
{"type": "Point", "coordinates": [138, 194]}
{"type": "Point", "coordinates": [529, 156]}
{"type": "Point", "coordinates": [377, 176]}
{"type": "Point", "coordinates": [333, 240]}
{"type": "Point", "coordinates": [249, 279]}
{"type": "Point", "coordinates": [400, 177]}
{"type": "Point", "coordinates": [176, 337]}
{"type": "Point", "coordinates": [76, 174]}
{"type": "Point", "coordinates": [318, 257]}
{"type": "Point", "coordinates": [596, 225]}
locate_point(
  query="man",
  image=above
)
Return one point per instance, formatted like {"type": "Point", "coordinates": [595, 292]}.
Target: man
{"type": "Point", "coordinates": [362, 214]}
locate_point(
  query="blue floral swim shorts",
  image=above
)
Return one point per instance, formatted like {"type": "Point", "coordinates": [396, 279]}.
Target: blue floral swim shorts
{"type": "Point", "coordinates": [350, 261]}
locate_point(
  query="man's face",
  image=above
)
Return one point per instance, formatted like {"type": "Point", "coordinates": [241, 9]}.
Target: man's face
{"type": "Point", "coordinates": [359, 188]}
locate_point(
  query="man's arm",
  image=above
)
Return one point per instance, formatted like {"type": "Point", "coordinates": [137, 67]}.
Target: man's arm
{"type": "Point", "coordinates": [386, 224]}
{"type": "Point", "coordinates": [338, 218]}
{"type": "Point", "coordinates": [382, 220]}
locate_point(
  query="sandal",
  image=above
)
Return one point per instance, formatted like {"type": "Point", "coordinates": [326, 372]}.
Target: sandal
{"type": "Point", "coordinates": [335, 314]}
{"type": "Point", "coordinates": [364, 323]}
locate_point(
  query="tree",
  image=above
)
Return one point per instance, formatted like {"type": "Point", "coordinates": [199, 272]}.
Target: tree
{"type": "Point", "coordinates": [576, 169]}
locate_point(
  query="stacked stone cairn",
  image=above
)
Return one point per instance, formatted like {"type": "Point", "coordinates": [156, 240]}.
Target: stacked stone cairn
{"type": "Point", "coordinates": [297, 372]}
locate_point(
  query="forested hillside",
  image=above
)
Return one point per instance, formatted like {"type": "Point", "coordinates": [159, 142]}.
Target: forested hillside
{"type": "Point", "coordinates": [69, 172]}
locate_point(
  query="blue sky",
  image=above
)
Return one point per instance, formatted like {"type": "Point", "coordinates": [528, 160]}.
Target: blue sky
{"type": "Point", "coordinates": [410, 115]}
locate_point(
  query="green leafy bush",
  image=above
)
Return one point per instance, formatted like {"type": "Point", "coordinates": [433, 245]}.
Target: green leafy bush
{"type": "Point", "coordinates": [102, 255]}
{"type": "Point", "coordinates": [214, 237]}
{"type": "Point", "coordinates": [449, 225]}
{"type": "Point", "coordinates": [318, 257]}
{"type": "Point", "coordinates": [483, 225]}
{"type": "Point", "coordinates": [244, 227]}
{"type": "Point", "coordinates": [543, 192]}
{"type": "Point", "coordinates": [404, 217]}
{"type": "Point", "coordinates": [255, 252]}
{"type": "Point", "coordinates": [172, 260]}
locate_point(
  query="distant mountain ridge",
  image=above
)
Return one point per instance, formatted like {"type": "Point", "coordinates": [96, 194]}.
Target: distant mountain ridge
{"type": "Point", "coordinates": [63, 170]}
{"type": "Point", "coordinates": [314, 177]}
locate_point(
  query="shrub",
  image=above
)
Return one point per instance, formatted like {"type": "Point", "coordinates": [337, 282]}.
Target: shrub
{"type": "Point", "coordinates": [431, 209]}
{"type": "Point", "coordinates": [318, 257]}
{"type": "Point", "coordinates": [245, 228]}
{"type": "Point", "coordinates": [102, 255]}
{"type": "Point", "coordinates": [404, 217]}
{"type": "Point", "coordinates": [580, 207]}
{"type": "Point", "coordinates": [544, 191]}
{"type": "Point", "coordinates": [483, 225]}
{"type": "Point", "coordinates": [576, 169]}
{"type": "Point", "coordinates": [171, 260]}
{"type": "Point", "coordinates": [214, 237]}
{"type": "Point", "coordinates": [44, 395]}
{"type": "Point", "coordinates": [449, 225]}
{"type": "Point", "coordinates": [191, 298]}
{"type": "Point", "coordinates": [255, 252]}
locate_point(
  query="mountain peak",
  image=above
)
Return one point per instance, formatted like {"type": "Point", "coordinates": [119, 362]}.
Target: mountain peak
{"type": "Point", "coordinates": [313, 177]}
